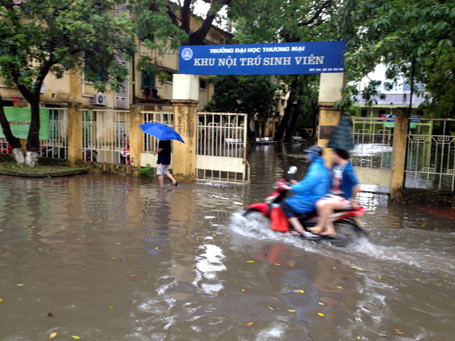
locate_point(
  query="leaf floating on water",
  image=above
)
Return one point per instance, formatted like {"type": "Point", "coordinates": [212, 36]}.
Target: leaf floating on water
{"type": "Point", "coordinates": [250, 324]}
{"type": "Point", "coordinates": [437, 284]}
{"type": "Point", "coordinates": [54, 334]}
{"type": "Point", "coordinates": [321, 303]}
{"type": "Point", "coordinates": [339, 287]}
{"type": "Point", "coordinates": [277, 264]}
{"type": "Point", "coordinates": [243, 290]}
{"type": "Point", "coordinates": [291, 266]}
{"type": "Point", "coordinates": [357, 268]}
{"type": "Point", "coordinates": [20, 285]}
{"type": "Point", "coordinates": [50, 314]}
{"type": "Point", "coordinates": [301, 291]}
{"type": "Point", "coordinates": [132, 275]}
{"type": "Point", "coordinates": [1, 300]}
{"type": "Point", "coordinates": [111, 307]}
{"type": "Point", "coordinates": [398, 331]}
{"type": "Point", "coordinates": [332, 316]}
{"type": "Point", "coordinates": [291, 310]}
{"type": "Point", "coordinates": [75, 337]}
{"type": "Point", "coordinates": [321, 314]}
{"type": "Point", "coordinates": [250, 261]}
{"type": "Point", "coordinates": [270, 307]}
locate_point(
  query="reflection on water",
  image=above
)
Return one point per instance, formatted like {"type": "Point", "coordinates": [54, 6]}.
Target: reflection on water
{"type": "Point", "coordinates": [114, 258]}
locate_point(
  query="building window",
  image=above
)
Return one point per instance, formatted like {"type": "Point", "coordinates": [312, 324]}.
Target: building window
{"type": "Point", "coordinates": [363, 113]}
{"type": "Point", "coordinates": [147, 80]}
{"type": "Point", "coordinates": [169, 77]}
{"type": "Point", "coordinates": [203, 84]}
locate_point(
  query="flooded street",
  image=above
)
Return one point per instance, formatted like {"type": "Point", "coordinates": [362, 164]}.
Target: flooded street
{"type": "Point", "coordinates": [101, 257]}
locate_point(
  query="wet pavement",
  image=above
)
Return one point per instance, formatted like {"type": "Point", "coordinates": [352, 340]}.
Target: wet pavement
{"type": "Point", "coordinates": [114, 258]}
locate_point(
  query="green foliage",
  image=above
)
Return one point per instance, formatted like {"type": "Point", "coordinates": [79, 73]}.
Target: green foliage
{"type": "Point", "coordinates": [276, 21]}
{"type": "Point", "coordinates": [147, 171]}
{"type": "Point", "coordinates": [243, 94]}
{"type": "Point", "coordinates": [414, 38]}
{"type": "Point", "coordinates": [38, 37]}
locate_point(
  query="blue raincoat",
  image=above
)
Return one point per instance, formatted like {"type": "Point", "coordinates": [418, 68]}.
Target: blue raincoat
{"type": "Point", "coordinates": [313, 187]}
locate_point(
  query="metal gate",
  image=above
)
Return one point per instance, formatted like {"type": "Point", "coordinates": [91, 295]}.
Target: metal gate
{"type": "Point", "coordinates": [430, 159]}
{"type": "Point", "coordinates": [221, 148]}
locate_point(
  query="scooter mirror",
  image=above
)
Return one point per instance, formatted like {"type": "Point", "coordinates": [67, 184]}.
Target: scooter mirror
{"type": "Point", "coordinates": [292, 170]}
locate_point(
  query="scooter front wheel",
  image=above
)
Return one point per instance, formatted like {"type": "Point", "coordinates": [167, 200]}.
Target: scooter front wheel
{"type": "Point", "coordinates": [256, 216]}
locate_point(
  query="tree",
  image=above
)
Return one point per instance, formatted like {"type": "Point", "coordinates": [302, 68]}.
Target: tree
{"type": "Point", "coordinates": [157, 20]}
{"type": "Point", "coordinates": [243, 94]}
{"type": "Point", "coordinates": [39, 37]}
{"type": "Point", "coordinates": [289, 21]}
{"type": "Point", "coordinates": [415, 39]}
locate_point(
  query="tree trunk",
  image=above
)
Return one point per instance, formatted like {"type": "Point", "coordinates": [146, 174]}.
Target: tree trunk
{"type": "Point", "coordinates": [31, 156]}
{"type": "Point", "coordinates": [31, 159]}
{"type": "Point", "coordinates": [12, 140]}
{"type": "Point", "coordinates": [291, 128]}
{"type": "Point", "coordinates": [33, 133]}
{"type": "Point", "coordinates": [287, 112]}
{"type": "Point", "coordinates": [19, 156]}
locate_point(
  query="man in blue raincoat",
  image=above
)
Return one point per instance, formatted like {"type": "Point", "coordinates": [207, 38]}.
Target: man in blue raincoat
{"type": "Point", "coordinates": [313, 187]}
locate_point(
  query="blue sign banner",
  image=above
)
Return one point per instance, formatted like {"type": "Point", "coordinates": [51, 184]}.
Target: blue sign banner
{"type": "Point", "coordinates": [263, 59]}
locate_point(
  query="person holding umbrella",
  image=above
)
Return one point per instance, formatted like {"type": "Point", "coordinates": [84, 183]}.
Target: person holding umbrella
{"type": "Point", "coordinates": [163, 162]}
{"type": "Point", "coordinates": [164, 134]}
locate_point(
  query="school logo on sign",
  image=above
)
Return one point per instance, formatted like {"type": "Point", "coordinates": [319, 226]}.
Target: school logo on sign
{"type": "Point", "coordinates": [187, 53]}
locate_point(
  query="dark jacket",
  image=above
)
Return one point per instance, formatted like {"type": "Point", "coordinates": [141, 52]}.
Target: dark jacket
{"type": "Point", "coordinates": [164, 157]}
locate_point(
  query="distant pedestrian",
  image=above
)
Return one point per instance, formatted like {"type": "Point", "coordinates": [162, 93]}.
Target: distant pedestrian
{"type": "Point", "coordinates": [163, 162]}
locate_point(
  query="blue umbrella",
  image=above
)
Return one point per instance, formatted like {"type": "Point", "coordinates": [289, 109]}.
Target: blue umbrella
{"type": "Point", "coordinates": [161, 131]}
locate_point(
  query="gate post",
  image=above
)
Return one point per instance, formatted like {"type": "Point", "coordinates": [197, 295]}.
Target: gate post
{"type": "Point", "coordinates": [136, 136]}
{"type": "Point", "coordinates": [400, 137]}
{"type": "Point", "coordinates": [330, 91]}
{"type": "Point", "coordinates": [185, 97]}
{"type": "Point", "coordinates": [74, 133]}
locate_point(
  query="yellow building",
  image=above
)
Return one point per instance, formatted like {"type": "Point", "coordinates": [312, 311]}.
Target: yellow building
{"type": "Point", "coordinates": [73, 89]}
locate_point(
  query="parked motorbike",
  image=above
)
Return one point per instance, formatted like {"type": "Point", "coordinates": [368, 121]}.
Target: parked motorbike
{"type": "Point", "coordinates": [125, 155]}
{"type": "Point", "coordinates": [345, 221]}
{"type": "Point", "coordinates": [53, 152]}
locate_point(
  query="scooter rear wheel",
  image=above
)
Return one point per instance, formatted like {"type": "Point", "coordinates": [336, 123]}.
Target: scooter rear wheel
{"type": "Point", "coordinates": [347, 233]}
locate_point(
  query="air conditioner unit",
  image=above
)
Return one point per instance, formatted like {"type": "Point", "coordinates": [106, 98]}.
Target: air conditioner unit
{"type": "Point", "coordinates": [98, 99]}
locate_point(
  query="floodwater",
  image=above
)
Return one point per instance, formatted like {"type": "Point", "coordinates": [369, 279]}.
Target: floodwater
{"type": "Point", "coordinates": [101, 257]}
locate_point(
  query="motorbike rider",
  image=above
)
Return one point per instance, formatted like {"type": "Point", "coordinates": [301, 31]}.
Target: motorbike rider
{"type": "Point", "coordinates": [313, 187]}
{"type": "Point", "coordinates": [343, 194]}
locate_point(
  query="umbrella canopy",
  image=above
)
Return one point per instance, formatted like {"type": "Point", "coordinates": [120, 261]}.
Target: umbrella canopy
{"type": "Point", "coordinates": [341, 137]}
{"type": "Point", "coordinates": [161, 131]}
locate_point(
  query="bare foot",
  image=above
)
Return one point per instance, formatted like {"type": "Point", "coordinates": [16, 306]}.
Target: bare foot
{"type": "Point", "coordinates": [328, 234]}
{"type": "Point", "coordinates": [316, 229]}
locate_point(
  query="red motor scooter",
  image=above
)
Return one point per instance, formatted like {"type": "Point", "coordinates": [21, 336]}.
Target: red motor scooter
{"type": "Point", "coordinates": [346, 225]}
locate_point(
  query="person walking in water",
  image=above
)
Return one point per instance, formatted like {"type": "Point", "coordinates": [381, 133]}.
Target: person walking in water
{"type": "Point", "coordinates": [163, 162]}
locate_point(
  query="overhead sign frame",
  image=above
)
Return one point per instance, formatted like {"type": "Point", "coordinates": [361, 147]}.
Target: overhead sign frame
{"type": "Point", "coordinates": [263, 59]}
